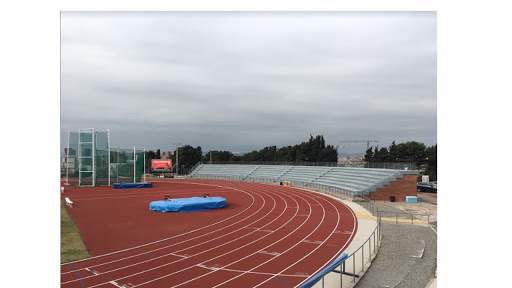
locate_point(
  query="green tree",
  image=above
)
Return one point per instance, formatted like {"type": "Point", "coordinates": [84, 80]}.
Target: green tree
{"type": "Point", "coordinates": [393, 153]}
{"type": "Point", "coordinates": [252, 156]}
{"type": "Point", "coordinates": [383, 155]}
{"type": "Point", "coordinates": [217, 156]}
{"type": "Point", "coordinates": [268, 153]}
{"type": "Point", "coordinates": [431, 153]}
{"type": "Point", "coordinates": [284, 154]}
{"type": "Point", "coordinates": [188, 157]}
{"type": "Point", "coordinates": [150, 155]}
{"type": "Point", "coordinates": [235, 158]}
{"type": "Point", "coordinates": [376, 154]}
{"type": "Point", "coordinates": [368, 157]}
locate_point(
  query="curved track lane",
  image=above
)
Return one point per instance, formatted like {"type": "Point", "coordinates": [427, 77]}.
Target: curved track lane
{"type": "Point", "coordinates": [268, 236]}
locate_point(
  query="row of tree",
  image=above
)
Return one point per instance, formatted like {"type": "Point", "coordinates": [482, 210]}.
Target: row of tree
{"type": "Point", "coordinates": [408, 152]}
{"type": "Point", "coordinates": [314, 150]}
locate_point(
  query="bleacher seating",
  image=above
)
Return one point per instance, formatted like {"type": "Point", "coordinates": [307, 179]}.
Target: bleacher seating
{"type": "Point", "coordinates": [354, 181]}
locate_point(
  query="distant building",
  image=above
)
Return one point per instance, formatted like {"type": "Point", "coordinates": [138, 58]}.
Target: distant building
{"type": "Point", "coordinates": [66, 162]}
{"type": "Point", "coordinates": [166, 155]}
{"type": "Point", "coordinates": [357, 161]}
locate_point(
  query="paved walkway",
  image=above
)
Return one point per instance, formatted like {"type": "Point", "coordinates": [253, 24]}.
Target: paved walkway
{"type": "Point", "coordinates": [407, 255]}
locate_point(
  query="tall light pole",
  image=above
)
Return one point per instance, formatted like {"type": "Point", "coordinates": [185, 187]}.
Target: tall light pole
{"type": "Point", "coordinates": [144, 165]}
{"type": "Point", "coordinates": [178, 145]}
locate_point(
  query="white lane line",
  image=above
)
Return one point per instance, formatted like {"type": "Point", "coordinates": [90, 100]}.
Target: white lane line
{"type": "Point", "coordinates": [208, 267]}
{"type": "Point", "coordinates": [298, 275]}
{"type": "Point", "coordinates": [312, 241]}
{"type": "Point", "coordinates": [115, 284]}
{"type": "Point", "coordinates": [173, 237]}
{"type": "Point", "coordinates": [92, 271]}
{"type": "Point", "coordinates": [261, 264]}
{"type": "Point", "coordinates": [185, 241]}
{"type": "Point", "coordinates": [269, 253]}
{"type": "Point", "coordinates": [354, 227]}
{"type": "Point", "coordinates": [204, 251]}
{"type": "Point", "coordinates": [284, 237]}
{"type": "Point", "coordinates": [286, 204]}
{"type": "Point", "coordinates": [343, 232]}
{"type": "Point", "coordinates": [178, 255]}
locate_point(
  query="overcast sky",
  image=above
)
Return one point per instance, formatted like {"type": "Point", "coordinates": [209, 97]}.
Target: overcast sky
{"type": "Point", "coordinates": [240, 81]}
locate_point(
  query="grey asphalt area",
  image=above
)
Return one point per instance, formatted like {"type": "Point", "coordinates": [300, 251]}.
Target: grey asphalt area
{"type": "Point", "coordinates": [407, 255]}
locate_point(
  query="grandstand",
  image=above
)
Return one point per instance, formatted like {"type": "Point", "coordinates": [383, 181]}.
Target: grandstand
{"type": "Point", "coordinates": [376, 184]}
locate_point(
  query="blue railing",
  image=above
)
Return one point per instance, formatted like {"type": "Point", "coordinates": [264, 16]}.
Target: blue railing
{"type": "Point", "coordinates": [327, 270]}
{"type": "Point", "coordinates": [352, 265]}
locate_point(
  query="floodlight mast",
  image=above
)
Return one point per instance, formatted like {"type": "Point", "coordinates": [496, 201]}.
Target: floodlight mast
{"type": "Point", "coordinates": [67, 160]}
{"type": "Point", "coordinates": [108, 144]}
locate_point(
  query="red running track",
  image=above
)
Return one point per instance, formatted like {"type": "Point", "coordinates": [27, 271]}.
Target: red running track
{"type": "Point", "coordinates": [267, 236]}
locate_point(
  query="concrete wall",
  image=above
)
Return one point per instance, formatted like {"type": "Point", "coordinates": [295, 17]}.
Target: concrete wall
{"type": "Point", "coordinates": [400, 188]}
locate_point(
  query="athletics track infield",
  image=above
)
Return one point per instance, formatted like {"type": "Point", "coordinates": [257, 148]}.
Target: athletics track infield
{"type": "Point", "coordinates": [267, 236]}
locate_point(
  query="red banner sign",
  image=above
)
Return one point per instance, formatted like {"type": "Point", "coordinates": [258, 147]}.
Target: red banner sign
{"type": "Point", "coordinates": [161, 163]}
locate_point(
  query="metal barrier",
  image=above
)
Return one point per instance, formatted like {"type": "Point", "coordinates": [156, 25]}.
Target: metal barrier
{"type": "Point", "coordinates": [390, 165]}
{"type": "Point", "coordinates": [404, 218]}
{"type": "Point", "coordinates": [329, 164]}
{"type": "Point", "coordinates": [355, 264]}
{"type": "Point", "coordinates": [377, 165]}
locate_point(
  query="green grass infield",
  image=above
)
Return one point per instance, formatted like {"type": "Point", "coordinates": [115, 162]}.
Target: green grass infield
{"type": "Point", "coordinates": [72, 246]}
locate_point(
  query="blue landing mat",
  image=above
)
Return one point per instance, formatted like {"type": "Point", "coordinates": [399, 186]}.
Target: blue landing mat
{"type": "Point", "coordinates": [188, 204]}
{"type": "Point", "coordinates": [132, 185]}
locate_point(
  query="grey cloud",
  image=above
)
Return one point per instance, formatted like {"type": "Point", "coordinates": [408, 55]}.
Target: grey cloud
{"type": "Point", "coordinates": [245, 80]}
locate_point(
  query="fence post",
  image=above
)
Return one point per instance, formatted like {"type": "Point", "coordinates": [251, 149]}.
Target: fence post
{"type": "Point", "coordinates": [341, 274]}
{"type": "Point", "coordinates": [370, 249]}
{"type": "Point", "coordinates": [354, 267]}
{"type": "Point", "coordinates": [374, 243]}
{"type": "Point", "coordinates": [362, 257]}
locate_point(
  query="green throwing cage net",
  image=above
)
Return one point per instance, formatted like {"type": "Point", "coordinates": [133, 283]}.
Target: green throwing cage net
{"type": "Point", "coordinates": [90, 161]}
